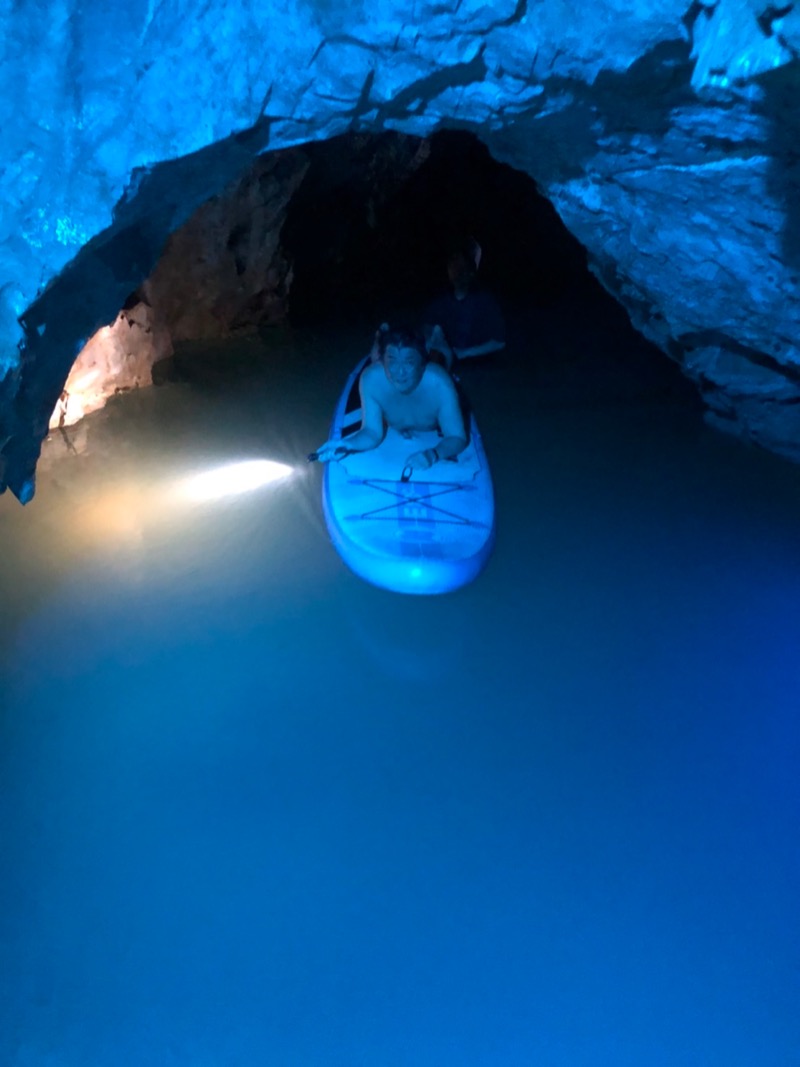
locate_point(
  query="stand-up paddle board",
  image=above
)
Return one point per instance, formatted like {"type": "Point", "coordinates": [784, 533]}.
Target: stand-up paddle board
{"type": "Point", "coordinates": [411, 532]}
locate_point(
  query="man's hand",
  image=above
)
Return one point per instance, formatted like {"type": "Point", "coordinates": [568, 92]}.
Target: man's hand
{"type": "Point", "coordinates": [375, 351]}
{"type": "Point", "coordinates": [437, 344]}
{"type": "Point", "coordinates": [333, 449]}
{"type": "Point", "coordinates": [422, 460]}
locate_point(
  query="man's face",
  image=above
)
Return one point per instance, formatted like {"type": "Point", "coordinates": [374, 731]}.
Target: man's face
{"type": "Point", "coordinates": [459, 272]}
{"type": "Point", "coordinates": [404, 368]}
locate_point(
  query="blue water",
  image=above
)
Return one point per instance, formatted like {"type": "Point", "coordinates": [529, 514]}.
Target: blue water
{"type": "Point", "coordinates": [254, 811]}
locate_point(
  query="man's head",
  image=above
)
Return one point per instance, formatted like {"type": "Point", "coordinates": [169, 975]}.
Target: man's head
{"type": "Point", "coordinates": [462, 265]}
{"type": "Point", "coordinates": [403, 355]}
{"type": "Point", "coordinates": [460, 272]}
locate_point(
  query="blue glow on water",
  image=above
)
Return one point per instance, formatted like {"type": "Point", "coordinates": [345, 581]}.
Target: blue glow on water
{"type": "Point", "coordinates": [255, 810]}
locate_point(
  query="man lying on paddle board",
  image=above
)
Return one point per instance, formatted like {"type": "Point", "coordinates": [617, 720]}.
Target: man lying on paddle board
{"type": "Point", "coordinates": [407, 392]}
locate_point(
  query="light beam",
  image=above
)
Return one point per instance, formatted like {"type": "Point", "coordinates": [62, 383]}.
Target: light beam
{"type": "Point", "coordinates": [234, 478]}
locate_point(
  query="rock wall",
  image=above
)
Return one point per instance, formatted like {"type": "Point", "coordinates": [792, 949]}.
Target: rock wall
{"type": "Point", "coordinates": [224, 269]}
{"type": "Point", "coordinates": [664, 132]}
{"type": "Point", "coordinates": [117, 358]}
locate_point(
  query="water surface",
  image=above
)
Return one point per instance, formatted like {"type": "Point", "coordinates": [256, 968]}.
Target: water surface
{"type": "Point", "coordinates": [254, 811]}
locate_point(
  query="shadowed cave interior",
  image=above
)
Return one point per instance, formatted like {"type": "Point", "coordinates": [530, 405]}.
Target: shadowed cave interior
{"type": "Point", "coordinates": [365, 239]}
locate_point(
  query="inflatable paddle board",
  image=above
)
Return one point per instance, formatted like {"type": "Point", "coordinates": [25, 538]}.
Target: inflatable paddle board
{"type": "Point", "coordinates": [431, 533]}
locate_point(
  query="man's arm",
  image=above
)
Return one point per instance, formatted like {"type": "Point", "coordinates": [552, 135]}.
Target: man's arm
{"type": "Point", "coordinates": [489, 323]}
{"type": "Point", "coordinates": [480, 350]}
{"type": "Point", "coordinates": [436, 341]}
{"type": "Point", "coordinates": [372, 429]}
{"type": "Point", "coordinates": [451, 421]}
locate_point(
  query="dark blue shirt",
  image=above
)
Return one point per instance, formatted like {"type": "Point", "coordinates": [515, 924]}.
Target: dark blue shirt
{"type": "Point", "coordinates": [469, 322]}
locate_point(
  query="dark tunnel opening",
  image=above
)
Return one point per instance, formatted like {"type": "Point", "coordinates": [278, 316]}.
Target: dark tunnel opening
{"type": "Point", "coordinates": [369, 230]}
{"type": "Point", "coordinates": [371, 225]}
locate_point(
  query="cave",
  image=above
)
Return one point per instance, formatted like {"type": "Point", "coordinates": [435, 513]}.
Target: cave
{"type": "Point", "coordinates": [356, 231]}
{"type": "Point", "coordinates": [400, 212]}
{"type": "Point", "coordinates": [255, 809]}
{"type": "Point", "coordinates": [665, 143]}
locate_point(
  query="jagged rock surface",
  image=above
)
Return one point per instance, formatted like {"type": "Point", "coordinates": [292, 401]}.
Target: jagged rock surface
{"type": "Point", "coordinates": [117, 358]}
{"type": "Point", "coordinates": [224, 269]}
{"type": "Point", "coordinates": [664, 132]}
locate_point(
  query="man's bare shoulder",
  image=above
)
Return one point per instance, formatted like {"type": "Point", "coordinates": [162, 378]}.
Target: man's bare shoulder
{"type": "Point", "coordinates": [371, 378]}
{"type": "Point", "coordinates": [439, 379]}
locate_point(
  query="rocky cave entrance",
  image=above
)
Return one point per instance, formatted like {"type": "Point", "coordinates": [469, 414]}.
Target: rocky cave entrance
{"type": "Point", "coordinates": [343, 235]}
{"type": "Point", "coordinates": [355, 231]}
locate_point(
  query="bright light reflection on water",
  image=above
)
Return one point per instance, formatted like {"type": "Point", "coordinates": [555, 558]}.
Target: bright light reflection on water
{"type": "Point", "coordinates": [231, 479]}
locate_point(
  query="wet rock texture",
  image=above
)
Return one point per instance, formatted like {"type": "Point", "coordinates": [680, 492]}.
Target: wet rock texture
{"type": "Point", "coordinates": [224, 270]}
{"type": "Point", "coordinates": [664, 132]}
{"type": "Point", "coordinates": [117, 358]}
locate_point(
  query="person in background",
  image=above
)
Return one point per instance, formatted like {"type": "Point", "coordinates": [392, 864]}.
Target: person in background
{"type": "Point", "coordinates": [405, 390]}
{"type": "Point", "coordinates": [466, 322]}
